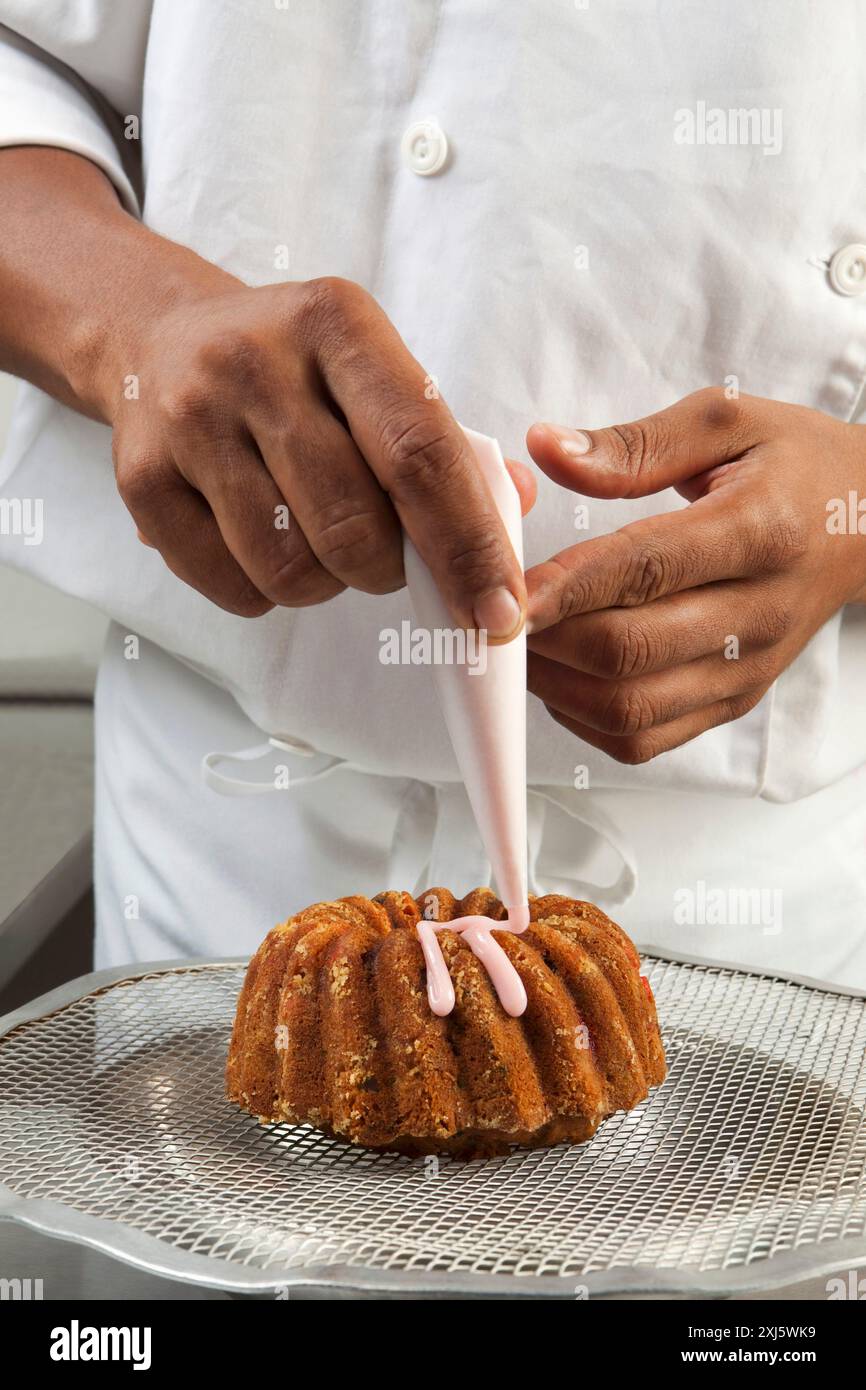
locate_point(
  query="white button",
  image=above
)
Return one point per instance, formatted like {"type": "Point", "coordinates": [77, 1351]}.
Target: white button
{"type": "Point", "coordinates": [424, 147]}
{"type": "Point", "coordinates": [848, 269]}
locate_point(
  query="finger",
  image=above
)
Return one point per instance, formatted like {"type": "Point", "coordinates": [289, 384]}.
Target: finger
{"type": "Point", "coordinates": [345, 516]}
{"type": "Point", "coordinates": [716, 538]}
{"type": "Point", "coordinates": [645, 456]}
{"type": "Point", "coordinates": [622, 708]}
{"type": "Point", "coordinates": [250, 511]}
{"type": "Point", "coordinates": [643, 747]}
{"type": "Point", "coordinates": [421, 458]}
{"type": "Point", "coordinates": [524, 480]}
{"type": "Point", "coordinates": [621, 642]}
{"type": "Point", "coordinates": [177, 521]}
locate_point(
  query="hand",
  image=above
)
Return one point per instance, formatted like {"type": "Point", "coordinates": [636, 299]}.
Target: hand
{"type": "Point", "coordinates": [281, 439]}
{"type": "Point", "coordinates": [236, 410]}
{"type": "Point", "coordinates": [643, 639]}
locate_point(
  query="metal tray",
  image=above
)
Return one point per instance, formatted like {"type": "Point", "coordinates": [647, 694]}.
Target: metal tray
{"type": "Point", "coordinates": [745, 1171]}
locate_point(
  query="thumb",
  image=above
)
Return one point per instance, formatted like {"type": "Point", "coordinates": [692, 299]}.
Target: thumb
{"type": "Point", "coordinates": [663, 450]}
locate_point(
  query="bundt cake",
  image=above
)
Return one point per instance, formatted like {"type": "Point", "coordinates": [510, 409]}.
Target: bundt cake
{"type": "Point", "coordinates": [334, 1028]}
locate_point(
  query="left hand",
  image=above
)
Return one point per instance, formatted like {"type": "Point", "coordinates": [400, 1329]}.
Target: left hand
{"type": "Point", "coordinates": [642, 639]}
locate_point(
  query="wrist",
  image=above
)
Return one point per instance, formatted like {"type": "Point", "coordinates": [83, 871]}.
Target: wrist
{"type": "Point", "coordinates": [107, 347]}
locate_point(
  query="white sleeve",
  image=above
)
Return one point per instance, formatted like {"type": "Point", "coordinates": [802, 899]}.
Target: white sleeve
{"type": "Point", "coordinates": [71, 71]}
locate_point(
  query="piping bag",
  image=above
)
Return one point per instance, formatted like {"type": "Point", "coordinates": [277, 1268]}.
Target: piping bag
{"type": "Point", "coordinates": [484, 705]}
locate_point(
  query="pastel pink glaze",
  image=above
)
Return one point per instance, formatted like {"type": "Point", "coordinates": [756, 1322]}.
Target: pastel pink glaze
{"type": "Point", "coordinates": [478, 931]}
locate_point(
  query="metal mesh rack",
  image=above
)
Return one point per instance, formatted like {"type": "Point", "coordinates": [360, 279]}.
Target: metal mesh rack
{"type": "Point", "coordinates": [746, 1169]}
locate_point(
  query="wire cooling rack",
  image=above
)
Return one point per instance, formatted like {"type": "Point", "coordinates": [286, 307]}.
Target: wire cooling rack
{"type": "Point", "coordinates": [745, 1170]}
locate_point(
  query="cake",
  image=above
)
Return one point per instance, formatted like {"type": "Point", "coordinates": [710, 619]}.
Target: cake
{"type": "Point", "coordinates": [334, 1029]}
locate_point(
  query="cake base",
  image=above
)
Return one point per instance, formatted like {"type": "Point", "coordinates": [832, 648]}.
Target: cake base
{"type": "Point", "coordinates": [474, 1143]}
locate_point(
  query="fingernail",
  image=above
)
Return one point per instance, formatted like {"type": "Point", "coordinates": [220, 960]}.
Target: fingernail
{"type": "Point", "coordinates": [573, 443]}
{"type": "Point", "coordinates": [498, 613]}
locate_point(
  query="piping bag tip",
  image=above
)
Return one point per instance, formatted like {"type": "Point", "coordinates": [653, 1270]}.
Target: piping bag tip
{"type": "Point", "coordinates": [518, 917]}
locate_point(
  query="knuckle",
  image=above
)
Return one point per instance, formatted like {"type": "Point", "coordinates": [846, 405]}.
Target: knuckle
{"type": "Point", "coordinates": [729, 420]}
{"type": "Point", "coordinates": [617, 650]}
{"type": "Point", "coordinates": [633, 446]}
{"type": "Point", "coordinates": [140, 480]}
{"type": "Point", "coordinates": [740, 705]}
{"type": "Point", "coordinates": [602, 650]}
{"type": "Point", "coordinates": [625, 712]}
{"type": "Point", "coordinates": [773, 621]}
{"type": "Point", "coordinates": [641, 442]}
{"type": "Point", "coordinates": [236, 356]}
{"type": "Point", "coordinates": [188, 403]}
{"type": "Point", "coordinates": [634, 751]}
{"type": "Point", "coordinates": [650, 572]}
{"type": "Point", "coordinates": [635, 650]}
{"type": "Point", "coordinates": [761, 668]}
{"type": "Point", "coordinates": [248, 601]}
{"type": "Point", "coordinates": [472, 564]}
{"type": "Point", "coordinates": [717, 411]}
{"type": "Point", "coordinates": [572, 591]}
{"type": "Point", "coordinates": [352, 544]}
{"type": "Point", "coordinates": [421, 455]}
{"type": "Point", "coordinates": [784, 539]}
{"type": "Point", "coordinates": [297, 579]}
{"type": "Point", "coordinates": [330, 300]}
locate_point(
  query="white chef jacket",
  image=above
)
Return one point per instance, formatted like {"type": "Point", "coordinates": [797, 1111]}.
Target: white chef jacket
{"type": "Point", "coordinates": [575, 257]}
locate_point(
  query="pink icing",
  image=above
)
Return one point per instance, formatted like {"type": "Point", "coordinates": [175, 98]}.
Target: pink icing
{"type": "Point", "coordinates": [478, 932]}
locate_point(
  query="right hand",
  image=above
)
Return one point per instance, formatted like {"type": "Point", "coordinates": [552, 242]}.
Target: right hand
{"type": "Point", "coordinates": [303, 396]}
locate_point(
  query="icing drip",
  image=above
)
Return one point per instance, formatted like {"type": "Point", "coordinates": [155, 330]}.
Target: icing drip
{"type": "Point", "coordinates": [478, 932]}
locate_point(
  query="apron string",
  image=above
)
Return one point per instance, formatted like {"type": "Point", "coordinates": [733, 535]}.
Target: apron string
{"type": "Point", "coordinates": [228, 785]}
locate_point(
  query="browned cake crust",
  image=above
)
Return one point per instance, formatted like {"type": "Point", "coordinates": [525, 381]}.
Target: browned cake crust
{"type": "Point", "coordinates": [334, 1030]}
